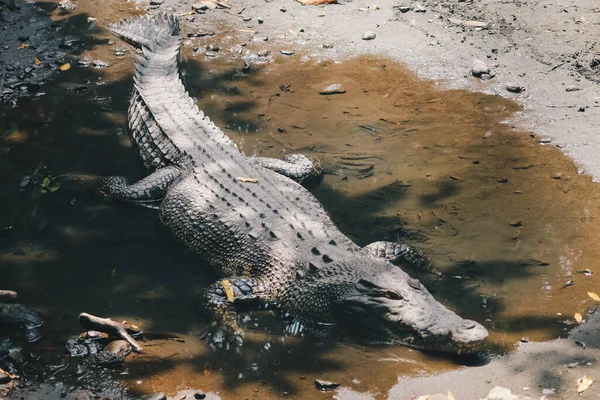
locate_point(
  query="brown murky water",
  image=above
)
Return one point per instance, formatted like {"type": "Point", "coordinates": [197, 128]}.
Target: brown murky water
{"type": "Point", "coordinates": [508, 218]}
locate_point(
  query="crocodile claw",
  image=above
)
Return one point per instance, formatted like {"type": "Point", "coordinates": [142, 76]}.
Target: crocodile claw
{"type": "Point", "coordinates": [220, 336]}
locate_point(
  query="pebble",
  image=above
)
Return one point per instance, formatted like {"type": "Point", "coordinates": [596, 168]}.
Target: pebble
{"type": "Point", "coordinates": [156, 2]}
{"type": "Point", "coordinates": [572, 89]}
{"type": "Point", "coordinates": [369, 35]}
{"type": "Point", "coordinates": [514, 87]}
{"type": "Point", "coordinates": [287, 52]}
{"type": "Point", "coordinates": [260, 20]}
{"type": "Point", "coordinates": [479, 68]}
{"type": "Point", "coordinates": [335, 88]}
{"type": "Point", "coordinates": [325, 385]}
{"type": "Point", "coordinates": [100, 64]}
{"type": "Point", "coordinates": [246, 19]}
{"type": "Point", "coordinates": [263, 53]}
{"type": "Point", "coordinates": [327, 45]}
{"type": "Point", "coordinates": [403, 9]}
{"type": "Point", "coordinates": [547, 392]}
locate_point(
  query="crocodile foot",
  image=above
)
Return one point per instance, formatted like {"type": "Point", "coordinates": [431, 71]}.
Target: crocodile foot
{"type": "Point", "coordinates": [219, 336]}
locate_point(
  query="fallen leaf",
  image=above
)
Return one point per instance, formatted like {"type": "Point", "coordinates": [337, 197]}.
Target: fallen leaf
{"type": "Point", "coordinates": [583, 383]}
{"type": "Point", "coordinates": [578, 317]}
{"type": "Point", "coordinates": [22, 46]}
{"type": "Point", "coordinates": [228, 290]}
{"type": "Point", "coordinates": [65, 67]}
{"type": "Point", "coordinates": [450, 395]}
{"type": "Point", "coordinates": [250, 180]}
{"type": "Point", "coordinates": [37, 61]}
{"type": "Point", "coordinates": [594, 296]}
{"type": "Point", "coordinates": [207, 369]}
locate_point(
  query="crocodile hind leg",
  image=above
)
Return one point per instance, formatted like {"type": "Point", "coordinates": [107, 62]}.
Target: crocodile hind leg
{"type": "Point", "coordinates": [400, 253]}
{"type": "Point", "coordinates": [147, 192]}
{"type": "Point", "coordinates": [218, 301]}
{"type": "Point", "coordinates": [296, 166]}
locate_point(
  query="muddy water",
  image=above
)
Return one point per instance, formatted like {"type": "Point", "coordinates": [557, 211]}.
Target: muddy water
{"type": "Point", "coordinates": [507, 218]}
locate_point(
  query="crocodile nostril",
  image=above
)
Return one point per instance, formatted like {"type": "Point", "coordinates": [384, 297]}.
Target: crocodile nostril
{"type": "Point", "coordinates": [468, 324]}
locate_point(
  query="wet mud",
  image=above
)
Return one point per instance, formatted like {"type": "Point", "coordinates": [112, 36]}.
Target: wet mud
{"type": "Point", "coordinates": [509, 220]}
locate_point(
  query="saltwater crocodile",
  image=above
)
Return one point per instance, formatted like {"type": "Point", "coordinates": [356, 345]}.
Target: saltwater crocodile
{"type": "Point", "coordinates": [263, 233]}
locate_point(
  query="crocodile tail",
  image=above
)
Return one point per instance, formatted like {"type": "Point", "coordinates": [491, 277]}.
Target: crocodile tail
{"type": "Point", "coordinates": [146, 31]}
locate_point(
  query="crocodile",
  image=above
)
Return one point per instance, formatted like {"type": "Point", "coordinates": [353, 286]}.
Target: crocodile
{"type": "Point", "coordinates": [265, 236]}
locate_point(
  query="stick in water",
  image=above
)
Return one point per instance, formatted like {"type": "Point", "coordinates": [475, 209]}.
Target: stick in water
{"type": "Point", "coordinates": [107, 325]}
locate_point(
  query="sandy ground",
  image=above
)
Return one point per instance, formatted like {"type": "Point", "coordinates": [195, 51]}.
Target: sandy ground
{"type": "Point", "coordinates": [547, 47]}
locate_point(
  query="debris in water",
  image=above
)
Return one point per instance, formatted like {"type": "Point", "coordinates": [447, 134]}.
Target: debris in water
{"type": "Point", "coordinates": [578, 317]}
{"type": "Point", "coordinates": [65, 67]}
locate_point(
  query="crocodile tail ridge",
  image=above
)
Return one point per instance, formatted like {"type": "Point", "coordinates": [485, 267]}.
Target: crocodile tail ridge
{"type": "Point", "coordinates": [147, 30]}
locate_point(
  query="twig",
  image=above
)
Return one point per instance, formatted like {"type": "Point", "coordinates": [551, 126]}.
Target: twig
{"type": "Point", "coordinates": [107, 325]}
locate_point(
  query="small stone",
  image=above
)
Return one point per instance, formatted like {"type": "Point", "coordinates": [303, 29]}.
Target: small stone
{"type": "Point", "coordinates": [260, 20]}
{"type": "Point", "coordinates": [335, 88]}
{"type": "Point", "coordinates": [325, 385]}
{"type": "Point", "coordinates": [572, 89]}
{"type": "Point", "coordinates": [403, 8]}
{"type": "Point", "coordinates": [485, 77]}
{"type": "Point", "coordinates": [213, 47]}
{"type": "Point", "coordinates": [246, 19]}
{"type": "Point", "coordinates": [156, 2]}
{"type": "Point", "coordinates": [369, 35]}
{"type": "Point", "coordinates": [557, 176]}
{"type": "Point", "coordinates": [581, 109]}
{"type": "Point", "coordinates": [199, 7]}
{"type": "Point", "coordinates": [479, 68]}
{"type": "Point", "coordinates": [572, 365]}
{"type": "Point", "coordinates": [514, 87]}
{"type": "Point", "coordinates": [328, 45]}
{"type": "Point", "coordinates": [199, 395]}
{"type": "Point", "coordinates": [81, 370]}
{"type": "Point", "coordinates": [100, 64]}
{"type": "Point", "coordinates": [263, 53]}
{"type": "Point", "coordinates": [287, 52]}
{"type": "Point", "coordinates": [548, 392]}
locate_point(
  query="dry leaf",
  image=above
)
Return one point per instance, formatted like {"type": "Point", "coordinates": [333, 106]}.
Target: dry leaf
{"type": "Point", "coordinates": [450, 395]}
{"type": "Point", "coordinates": [594, 296]}
{"type": "Point", "coordinates": [207, 369]}
{"type": "Point", "coordinates": [22, 46]}
{"type": "Point", "coordinates": [65, 67]}
{"type": "Point", "coordinates": [37, 61]}
{"type": "Point", "coordinates": [228, 290]}
{"type": "Point", "coordinates": [583, 383]}
{"type": "Point", "coordinates": [250, 180]}
{"type": "Point", "coordinates": [578, 317]}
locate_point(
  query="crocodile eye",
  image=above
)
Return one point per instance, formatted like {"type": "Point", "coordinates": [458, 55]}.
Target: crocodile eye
{"type": "Point", "coordinates": [414, 283]}
{"type": "Point", "coordinates": [392, 295]}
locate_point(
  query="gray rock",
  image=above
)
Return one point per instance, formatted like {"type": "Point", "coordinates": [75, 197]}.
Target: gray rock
{"type": "Point", "coordinates": [572, 89]}
{"type": "Point", "coordinates": [479, 68]}
{"type": "Point", "coordinates": [335, 88]}
{"type": "Point", "coordinates": [260, 20]}
{"type": "Point", "coordinates": [287, 52]}
{"type": "Point", "coordinates": [548, 392]}
{"type": "Point", "coordinates": [369, 35]}
{"type": "Point", "coordinates": [263, 53]}
{"type": "Point", "coordinates": [100, 64]}
{"type": "Point", "coordinates": [403, 8]}
{"type": "Point", "coordinates": [514, 87]}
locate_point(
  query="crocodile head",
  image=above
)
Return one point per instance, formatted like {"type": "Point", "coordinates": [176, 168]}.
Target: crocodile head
{"type": "Point", "coordinates": [392, 307]}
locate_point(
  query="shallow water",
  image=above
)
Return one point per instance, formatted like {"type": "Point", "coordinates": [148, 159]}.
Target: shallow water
{"type": "Point", "coordinates": [508, 218]}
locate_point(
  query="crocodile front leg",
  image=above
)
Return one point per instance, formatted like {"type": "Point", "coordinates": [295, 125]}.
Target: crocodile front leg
{"type": "Point", "coordinates": [147, 192]}
{"type": "Point", "coordinates": [400, 253]}
{"type": "Point", "coordinates": [218, 301]}
{"type": "Point", "coordinates": [296, 166]}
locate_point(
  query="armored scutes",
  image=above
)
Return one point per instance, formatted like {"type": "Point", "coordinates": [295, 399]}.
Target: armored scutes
{"type": "Point", "coordinates": [262, 232]}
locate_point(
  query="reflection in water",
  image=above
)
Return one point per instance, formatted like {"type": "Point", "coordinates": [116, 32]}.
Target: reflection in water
{"type": "Point", "coordinates": [508, 219]}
